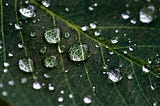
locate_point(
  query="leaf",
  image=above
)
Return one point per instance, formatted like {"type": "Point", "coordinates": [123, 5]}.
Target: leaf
{"type": "Point", "coordinates": [86, 78]}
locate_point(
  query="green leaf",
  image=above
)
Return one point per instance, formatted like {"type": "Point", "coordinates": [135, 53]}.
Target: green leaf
{"type": "Point", "coordinates": [121, 46]}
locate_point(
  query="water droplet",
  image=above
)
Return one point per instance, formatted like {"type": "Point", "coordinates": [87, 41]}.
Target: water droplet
{"type": "Point", "coordinates": [52, 36]}
{"type": "Point", "coordinates": [90, 8]}
{"type": "Point", "coordinates": [10, 54]}
{"type": "Point", "coordinates": [33, 34]}
{"type": "Point", "coordinates": [61, 48]}
{"type": "Point", "coordinates": [43, 50]}
{"type": "Point", "coordinates": [146, 68]}
{"type": "Point", "coordinates": [114, 75]}
{"type": "Point", "coordinates": [125, 52]}
{"type": "Point", "coordinates": [6, 64]}
{"type": "Point", "coordinates": [111, 52]}
{"type": "Point", "coordinates": [70, 96]}
{"type": "Point", "coordinates": [62, 92]}
{"type": "Point", "coordinates": [23, 80]}
{"type": "Point", "coordinates": [67, 35]}
{"type": "Point", "coordinates": [155, 104]}
{"type": "Point", "coordinates": [46, 76]}
{"type": "Point", "coordinates": [4, 93]}
{"type": "Point", "coordinates": [152, 87]}
{"type": "Point", "coordinates": [67, 9]}
{"type": "Point", "coordinates": [36, 85]}
{"type": "Point", "coordinates": [78, 52]}
{"type": "Point", "coordinates": [28, 11]}
{"type": "Point", "coordinates": [126, 15]}
{"type": "Point", "coordinates": [146, 14]}
{"type": "Point", "coordinates": [84, 28]}
{"type": "Point", "coordinates": [114, 40]}
{"type": "Point", "coordinates": [93, 25]}
{"type": "Point", "coordinates": [46, 3]}
{"type": "Point", "coordinates": [26, 65]}
{"type": "Point", "coordinates": [50, 62]}
{"type": "Point", "coordinates": [87, 100]}
{"type": "Point", "coordinates": [133, 21]}
{"type": "Point", "coordinates": [11, 82]}
{"type": "Point", "coordinates": [18, 26]}
{"type": "Point", "coordinates": [21, 45]}
{"type": "Point", "coordinates": [97, 32]}
{"type": "Point", "coordinates": [51, 87]}
{"type": "Point", "coordinates": [60, 99]}
{"type": "Point", "coordinates": [130, 76]}
{"type": "Point", "coordinates": [5, 70]}
{"type": "Point", "coordinates": [116, 31]}
{"type": "Point", "coordinates": [130, 48]}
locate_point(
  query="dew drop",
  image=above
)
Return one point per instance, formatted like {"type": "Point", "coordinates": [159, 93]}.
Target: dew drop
{"type": "Point", "coordinates": [4, 93]}
{"type": "Point", "coordinates": [131, 48]}
{"type": "Point", "coordinates": [67, 35]}
{"type": "Point", "coordinates": [125, 52]}
{"type": "Point", "coordinates": [33, 34]}
{"type": "Point", "coordinates": [61, 48]}
{"type": "Point", "coordinates": [50, 62]}
{"type": "Point", "coordinates": [18, 26]}
{"type": "Point", "coordinates": [133, 21]}
{"type": "Point", "coordinates": [130, 76]}
{"type": "Point", "coordinates": [114, 75]}
{"type": "Point", "coordinates": [6, 64]}
{"type": "Point", "coordinates": [152, 87]}
{"type": "Point", "coordinates": [126, 15]}
{"type": "Point", "coordinates": [90, 8]}
{"type": "Point", "coordinates": [84, 28]}
{"type": "Point", "coordinates": [93, 25]}
{"type": "Point", "coordinates": [26, 65]}
{"type": "Point", "coordinates": [28, 11]}
{"type": "Point", "coordinates": [46, 3]}
{"type": "Point", "coordinates": [146, 68]}
{"type": "Point", "coordinates": [60, 99]}
{"type": "Point", "coordinates": [51, 87]}
{"type": "Point", "coordinates": [43, 50]}
{"type": "Point", "coordinates": [36, 85]}
{"type": "Point", "coordinates": [20, 45]}
{"type": "Point", "coordinates": [10, 54]}
{"type": "Point", "coordinates": [52, 36]}
{"type": "Point", "coordinates": [11, 82]}
{"type": "Point", "coordinates": [46, 75]}
{"type": "Point", "coordinates": [5, 70]}
{"type": "Point", "coordinates": [70, 96]}
{"type": "Point", "coordinates": [87, 100]}
{"type": "Point", "coordinates": [114, 40]}
{"type": "Point", "coordinates": [154, 103]}
{"type": "Point", "coordinates": [1, 85]}
{"type": "Point", "coordinates": [97, 32]}
{"type": "Point", "coordinates": [62, 92]}
{"type": "Point", "coordinates": [78, 52]}
{"type": "Point", "coordinates": [146, 14]}
{"type": "Point", "coordinates": [23, 80]}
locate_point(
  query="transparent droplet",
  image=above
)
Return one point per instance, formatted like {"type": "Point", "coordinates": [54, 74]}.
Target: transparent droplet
{"type": "Point", "coordinates": [50, 62]}
{"type": "Point", "coordinates": [28, 11]}
{"type": "Point", "coordinates": [146, 14]}
{"type": "Point", "coordinates": [114, 75]}
{"type": "Point", "coordinates": [52, 36]}
{"type": "Point", "coordinates": [93, 25]}
{"type": "Point", "coordinates": [4, 93]}
{"type": "Point", "coordinates": [67, 9]}
{"type": "Point", "coordinates": [62, 92]}
{"type": "Point", "coordinates": [1, 85]}
{"type": "Point", "coordinates": [67, 35]}
{"type": "Point", "coordinates": [146, 68]}
{"type": "Point", "coordinates": [11, 82]}
{"type": "Point", "coordinates": [18, 26]}
{"type": "Point", "coordinates": [84, 28]}
{"type": "Point", "coordinates": [70, 96]}
{"type": "Point", "coordinates": [10, 54]}
{"type": "Point", "coordinates": [6, 64]}
{"type": "Point", "coordinates": [116, 31]}
{"type": "Point", "coordinates": [126, 15]}
{"type": "Point", "coordinates": [46, 76]}
{"type": "Point", "coordinates": [20, 45]}
{"type": "Point", "coordinates": [51, 87]}
{"type": "Point", "coordinates": [90, 8]}
{"type": "Point", "coordinates": [87, 100]}
{"type": "Point", "coordinates": [5, 70]}
{"type": "Point", "coordinates": [60, 99]}
{"type": "Point", "coordinates": [46, 3]}
{"type": "Point", "coordinates": [154, 103]}
{"type": "Point", "coordinates": [130, 76]}
{"type": "Point", "coordinates": [78, 52]}
{"type": "Point", "coordinates": [114, 40]}
{"type": "Point", "coordinates": [131, 48]}
{"type": "Point", "coordinates": [152, 87]}
{"type": "Point", "coordinates": [133, 21]}
{"type": "Point", "coordinates": [23, 80]}
{"type": "Point", "coordinates": [43, 50]}
{"type": "Point", "coordinates": [36, 85]}
{"type": "Point", "coordinates": [125, 52]}
{"type": "Point", "coordinates": [33, 34]}
{"type": "Point", "coordinates": [61, 48]}
{"type": "Point", "coordinates": [26, 65]}
{"type": "Point", "coordinates": [97, 32]}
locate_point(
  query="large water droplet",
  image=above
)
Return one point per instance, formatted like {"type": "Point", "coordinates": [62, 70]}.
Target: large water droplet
{"type": "Point", "coordinates": [146, 68]}
{"type": "Point", "coordinates": [26, 65]}
{"type": "Point", "coordinates": [50, 62]}
{"type": "Point", "coordinates": [52, 36]}
{"type": "Point", "coordinates": [36, 85]}
{"type": "Point", "coordinates": [60, 99]}
{"type": "Point", "coordinates": [114, 75]}
{"type": "Point", "coordinates": [78, 52]}
{"type": "Point", "coordinates": [146, 14]}
{"type": "Point", "coordinates": [28, 11]}
{"type": "Point", "coordinates": [87, 100]}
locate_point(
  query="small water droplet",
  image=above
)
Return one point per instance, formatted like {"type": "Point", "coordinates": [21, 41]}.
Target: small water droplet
{"type": "Point", "coordinates": [114, 75]}
{"type": "Point", "coordinates": [146, 14]}
{"type": "Point", "coordinates": [6, 64]}
{"type": "Point", "coordinates": [5, 70]}
{"type": "Point", "coordinates": [152, 87]}
{"type": "Point", "coordinates": [133, 21]}
{"type": "Point", "coordinates": [114, 40]}
{"type": "Point", "coordinates": [51, 87]}
{"type": "Point", "coordinates": [78, 52]}
{"type": "Point", "coordinates": [125, 52]}
{"type": "Point", "coordinates": [1, 85]}
{"type": "Point", "coordinates": [21, 45]}
{"type": "Point", "coordinates": [67, 35]}
{"type": "Point", "coordinates": [116, 31]}
{"type": "Point", "coordinates": [17, 26]}
{"type": "Point", "coordinates": [70, 96]}
{"type": "Point", "coordinates": [131, 48]}
{"type": "Point", "coordinates": [10, 54]}
{"type": "Point", "coordinates": [84, 28]}
{"type": "Point", "coordinates": [28, 11]}
{"type": "Point", "coordinates": [26, 65]}
{"type": "Point", "coordinates": [62, 92]}
{"type": "Point", "coordinates": [61, 48]}
{"type": "Point", "coordinates": [4, 93]}
{"type": "Point", "coordinates": [87, 100]}
{"type": "Point", "coordinates": [52, 36]}
{"type": "Point", "coordinates": [91, 8]}
{"type": "Point", "coordinates": [46, 3]}
{"type": "Point", "coordinates": [43, 50]}
{"type": "Point", "coordinates": [97, 32]}
{"type": "Point", "coordinates": [126, 15]}
{"type": "Point", "coordinates": [130, 76]}
{"type": "Point", "coordinates": [146, 68]}
{"type": "Point", "coordinates": [50, 61]}
{"type": "Point", "coordinates": [36, 85]}
{"type": "Point", "coordinates": [154, 103]}
{"type": "Point", "coordinates": [93, 25]}
{"type": "Point", "coordinates": [23, 80]}
{"type": "Point", "coordinates": [11, 82]}
{"type": "Point", "coordinates": [60, 99]}
{"type": "Point", "coordinates": [33, 34]}
{"type": "Point", "coordinates": [46, 76]}
{"type": "Point", "coordinates": [67, 9]}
